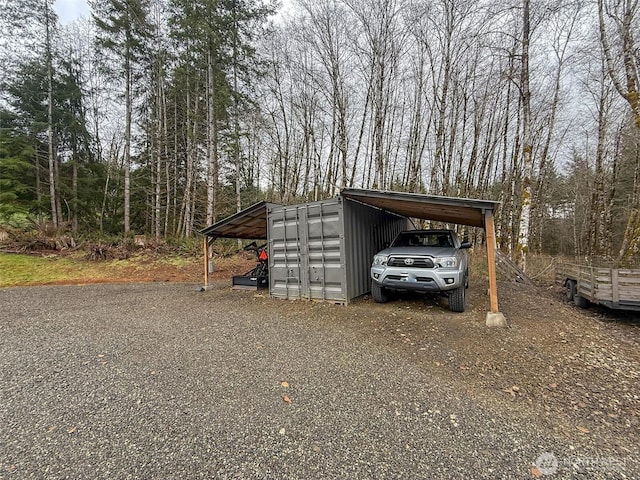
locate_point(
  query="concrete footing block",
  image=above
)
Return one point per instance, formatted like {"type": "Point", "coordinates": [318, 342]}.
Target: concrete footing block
{"type": "Point", "coordinates": [496, 319]}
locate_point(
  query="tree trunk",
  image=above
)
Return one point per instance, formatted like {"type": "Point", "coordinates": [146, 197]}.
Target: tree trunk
{"type": "Point", "coordinates": [127, 135]}
{"type": "Point", "coordinates": [55, 213]}
{"type": "Point", "coordinates": [527, 148]}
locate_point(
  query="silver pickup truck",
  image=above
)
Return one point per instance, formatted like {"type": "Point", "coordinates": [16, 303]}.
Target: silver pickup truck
{"type": "Point", "coordinates": [423, 261]}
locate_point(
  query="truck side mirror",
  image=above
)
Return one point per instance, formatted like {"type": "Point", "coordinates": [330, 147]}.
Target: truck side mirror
{"type": "Point", "coordinates": [465, 245]}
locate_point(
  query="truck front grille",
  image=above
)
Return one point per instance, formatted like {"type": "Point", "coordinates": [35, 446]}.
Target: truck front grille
{"type": "Point", "coordinates": [410, 262]}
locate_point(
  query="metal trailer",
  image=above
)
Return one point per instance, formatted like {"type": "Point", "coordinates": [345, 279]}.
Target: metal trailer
{"type": "Point", "coordinates": [615, 288]}
{"type": "Point", "coordinates": [323, 250]}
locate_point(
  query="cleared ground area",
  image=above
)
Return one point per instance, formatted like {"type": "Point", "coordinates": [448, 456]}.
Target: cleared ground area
{"type": "Point", "coordinates": [163, 381]}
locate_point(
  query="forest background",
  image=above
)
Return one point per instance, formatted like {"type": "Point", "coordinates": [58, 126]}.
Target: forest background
{"type": "Point", "coordinates": [159, 117]}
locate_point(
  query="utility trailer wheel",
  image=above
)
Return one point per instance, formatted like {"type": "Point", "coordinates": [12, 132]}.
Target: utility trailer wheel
{"type": "Point", "coordinates": [378, 292]}
{"type": "Point", "coordinates": [456, 299]}
{"type": "Point", "coordinates": [571, 289]}
{"type": "Point", "coordinates": [580, 301]}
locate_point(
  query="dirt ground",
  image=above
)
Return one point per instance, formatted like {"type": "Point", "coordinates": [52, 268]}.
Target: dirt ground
{"type": "Point", "coordinates": [192, 272]}
{"type": "Point", "coordinates": [577, 370]}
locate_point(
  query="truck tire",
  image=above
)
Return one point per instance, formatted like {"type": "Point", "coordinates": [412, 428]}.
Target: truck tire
{"type": "Point", "coordinates": [456, 299]}
{"type": "Point", "coordinates": [580, 301]}
{"type": "Point", "coordinates": [571, 289]}
{"type": "Point", "coordinates": [378, 292]}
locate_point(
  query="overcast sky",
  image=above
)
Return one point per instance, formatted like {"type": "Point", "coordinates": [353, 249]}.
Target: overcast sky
{"type": "Point", "coordinates": [69, 10]}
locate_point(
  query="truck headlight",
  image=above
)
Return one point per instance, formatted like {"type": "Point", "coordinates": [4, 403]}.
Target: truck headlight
{"type": "Point", "coordinates": [380, 259]}
{"type": "Point", "coordinates": [447, 262]}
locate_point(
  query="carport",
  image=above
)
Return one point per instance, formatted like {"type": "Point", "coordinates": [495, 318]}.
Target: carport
{"type": "Point", "coordinates": [248, 224]}
{"type": "Point", "coordinates": [252, 223]}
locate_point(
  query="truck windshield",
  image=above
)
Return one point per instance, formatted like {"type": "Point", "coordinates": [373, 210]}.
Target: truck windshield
{"type": "Point", "coordinates": [423, 239]}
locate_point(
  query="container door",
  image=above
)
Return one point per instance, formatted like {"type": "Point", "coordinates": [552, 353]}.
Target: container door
{"type": "Point", "coordinates": [286, 272]}
{"type": "Point", "coordinates": [306, 259]}
{"type": "Point", "coordinates": [325, 260]}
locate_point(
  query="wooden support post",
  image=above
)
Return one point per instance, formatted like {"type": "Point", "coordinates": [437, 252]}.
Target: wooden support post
{"type": "Point", "coordinates": [205, 251]}
{"type": "Point", "coordinates": [494, 317]}
{"type": "Point", "coordinates": [491, 260]}
{"type": "Point", "coordinates": [615, 286]}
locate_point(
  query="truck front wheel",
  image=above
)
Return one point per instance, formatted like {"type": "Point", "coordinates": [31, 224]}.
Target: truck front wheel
{"type": "Point", "coordinates": [378, 292]}
{"type": "Point", "coordinates": [456, 299]}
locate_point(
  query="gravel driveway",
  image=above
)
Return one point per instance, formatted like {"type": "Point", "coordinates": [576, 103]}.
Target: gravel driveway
{"type": "Point", "coordinates": [163, 381]}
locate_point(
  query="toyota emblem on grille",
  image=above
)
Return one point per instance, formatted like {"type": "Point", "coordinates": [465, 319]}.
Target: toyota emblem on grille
{"type": "Point", "coordinates": [408, 261]}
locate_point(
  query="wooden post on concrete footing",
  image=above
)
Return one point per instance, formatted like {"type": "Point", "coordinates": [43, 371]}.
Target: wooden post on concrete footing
{"type": "Point", "coordinates": [494, 317]}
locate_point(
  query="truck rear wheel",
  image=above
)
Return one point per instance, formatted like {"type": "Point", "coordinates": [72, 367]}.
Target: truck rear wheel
{"type": "Point", "coordinates": [456, 299]}
{"type": "Point", "coordinates": [378, 292]}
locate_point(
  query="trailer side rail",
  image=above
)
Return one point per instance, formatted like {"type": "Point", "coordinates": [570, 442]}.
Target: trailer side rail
{"type": "Point", "coordinates": [613, 287]}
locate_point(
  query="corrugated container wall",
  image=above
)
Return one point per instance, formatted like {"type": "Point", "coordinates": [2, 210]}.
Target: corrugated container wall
{"type": "Point", "coordinates": [323, 250]}
{"type": "Point", "coordinates": [367, 231]}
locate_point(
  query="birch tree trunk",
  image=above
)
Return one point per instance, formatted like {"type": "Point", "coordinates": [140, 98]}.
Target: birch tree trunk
{"type": "Point", "coordinates": [522, 247]}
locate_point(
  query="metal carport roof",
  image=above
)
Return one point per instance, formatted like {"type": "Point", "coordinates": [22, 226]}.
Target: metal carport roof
{"type": "Point", "coordinates": [250, 223]}
{"type": "Point", "coordinates": [464, 211]}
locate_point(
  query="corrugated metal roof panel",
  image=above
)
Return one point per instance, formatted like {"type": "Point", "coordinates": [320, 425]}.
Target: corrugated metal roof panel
{"type": "Point", "coordinates": [463, 211]}
{"type": "Point", "coordinates": [250, 223]}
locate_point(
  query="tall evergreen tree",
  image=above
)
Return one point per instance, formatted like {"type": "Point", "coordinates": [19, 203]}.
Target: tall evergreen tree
{"type": "Point", "coordinates": [216, 43]}
{"type": "Point", "coordinates": [17, 179]}
{"type": "Point", "coordinates": [124, 31]}
{"type": "Point", "coordinates": [34, 23]}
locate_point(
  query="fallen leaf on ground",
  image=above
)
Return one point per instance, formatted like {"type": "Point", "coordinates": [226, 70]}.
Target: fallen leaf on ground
{"type": "Point", "coordinates": [285, 384]}
{"type": "Point", "coordinates": [286, 399]}
{"type": "Point", "coordinates": [513, 391]}
{"type": "Point", "coordinates": [582, 429]}
{"type": "Point", "coordinates": [535, 472]}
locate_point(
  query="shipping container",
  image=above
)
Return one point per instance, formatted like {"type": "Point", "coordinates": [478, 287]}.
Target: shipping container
{"type": "Point", "coordinates": [323, 250]}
